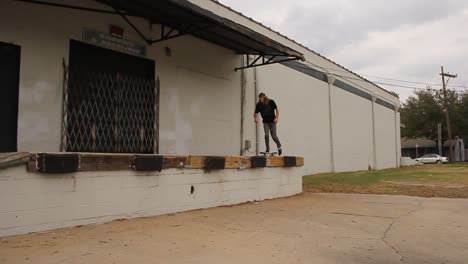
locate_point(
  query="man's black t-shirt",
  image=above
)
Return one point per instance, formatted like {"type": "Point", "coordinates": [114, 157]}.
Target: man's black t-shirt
{"type": "Point", "coordinates": [267, 111]}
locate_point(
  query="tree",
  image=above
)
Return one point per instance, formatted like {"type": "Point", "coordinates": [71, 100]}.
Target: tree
{"type": "Point", "coordinates": [420, 115]}
{"type": "Point", "coordinates": [462, 116]}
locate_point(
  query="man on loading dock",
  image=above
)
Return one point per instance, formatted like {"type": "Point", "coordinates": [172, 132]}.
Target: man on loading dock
{"type": "Point", "coordinates": [270, 115]}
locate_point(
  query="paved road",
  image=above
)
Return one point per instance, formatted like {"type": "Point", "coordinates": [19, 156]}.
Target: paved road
{"type": "Point", "coordinates": [311, 228]}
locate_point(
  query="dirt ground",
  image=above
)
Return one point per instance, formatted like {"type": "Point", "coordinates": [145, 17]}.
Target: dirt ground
{"type": "Point", "coordinates": [310, 228]}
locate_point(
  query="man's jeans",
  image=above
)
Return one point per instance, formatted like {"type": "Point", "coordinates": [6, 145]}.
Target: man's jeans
{"type": "Point", "coordinates": [270, 128]}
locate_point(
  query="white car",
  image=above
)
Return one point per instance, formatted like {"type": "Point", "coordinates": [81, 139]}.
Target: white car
{"type": "Point", "coordinates": [432, 159]}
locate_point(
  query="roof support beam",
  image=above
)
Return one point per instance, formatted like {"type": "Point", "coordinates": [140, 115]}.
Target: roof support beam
{"type": "Point", "coordinates": [266, 60]}
{"type": "Point", "coordinates": [164, 35]}
{"type": "Point", "coordinates": [167, 37]}
{"type": "Point", "coordinates": [180, 32]}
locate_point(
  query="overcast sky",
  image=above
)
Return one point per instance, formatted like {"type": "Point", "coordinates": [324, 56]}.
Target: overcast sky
{"type": "Point", "coordinates": [399, 39]}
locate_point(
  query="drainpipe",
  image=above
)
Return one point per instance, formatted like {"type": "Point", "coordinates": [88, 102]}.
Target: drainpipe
{"type": "Point", "coordinates": [243, 87]}
{"type": "Point", "coordinates": [257, 130]}
{"type": "Point", "coordinates": [331, 79]}
{"type": "Point", "coordinates": [397, 125]}
{"type": "Point", "coordinates": [374, 141]}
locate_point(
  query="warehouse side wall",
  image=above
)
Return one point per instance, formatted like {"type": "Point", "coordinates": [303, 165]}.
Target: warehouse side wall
{"type": "Point", "coordinates": [385, 138]}
{"type": "Point", "coordinates": [352, 130]}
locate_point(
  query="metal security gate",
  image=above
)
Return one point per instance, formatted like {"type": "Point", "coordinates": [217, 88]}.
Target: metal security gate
{"type": "Point", "coordinates": [110, 113]}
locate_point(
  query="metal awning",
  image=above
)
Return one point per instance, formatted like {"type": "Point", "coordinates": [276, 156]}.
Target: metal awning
{"type": "Point", "coordinates": [180, 17]}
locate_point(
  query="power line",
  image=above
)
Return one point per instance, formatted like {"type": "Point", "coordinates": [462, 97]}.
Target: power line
{"type": "Point", "coordinates": [381, 83]}
{"type": "Point", "coordinates": [397, 80]}
{"type": "Point", "coordinates": [428, 84]}
{"type": "Point", "coordinates": [385, 78]}
{"type": "Point", "coordinates": [396, 85]}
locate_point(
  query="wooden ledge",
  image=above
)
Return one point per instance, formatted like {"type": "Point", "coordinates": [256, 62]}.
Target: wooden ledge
{"type": "Point", "coordinates": [12, 159]}
{"type": "Point", "coordinates": [60, 162]}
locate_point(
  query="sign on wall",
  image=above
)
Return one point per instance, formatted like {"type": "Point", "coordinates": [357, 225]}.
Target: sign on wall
{"type": "Point", "coordinates": [108, 41]}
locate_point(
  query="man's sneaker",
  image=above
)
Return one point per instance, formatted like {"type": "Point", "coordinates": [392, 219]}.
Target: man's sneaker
{"type": "Point", "coordinates": [280, 151]}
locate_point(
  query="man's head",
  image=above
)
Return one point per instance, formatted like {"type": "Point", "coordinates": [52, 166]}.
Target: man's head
{"type": "Point", "coordinates": [262, 98]}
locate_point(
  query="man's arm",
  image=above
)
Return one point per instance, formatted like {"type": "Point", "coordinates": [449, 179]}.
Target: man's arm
{"type": "Point", "coordinates": [255, 118]}
{"type": "Point", "coordinates": [277, 114]}
{"type": "Point", "coordinates": [275, 107]}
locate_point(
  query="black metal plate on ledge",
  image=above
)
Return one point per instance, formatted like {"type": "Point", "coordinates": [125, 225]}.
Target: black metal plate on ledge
{"type": "Point", "coordinates": [289, 161]}
{"type": "Point", "coordinates": [214, 163]}
{"type": "Point", "coordinates": [147, 163]}
{"type": "Point", "coordinates": [258, 162]}
{"type": "Point", "coordinates": [58, 163]}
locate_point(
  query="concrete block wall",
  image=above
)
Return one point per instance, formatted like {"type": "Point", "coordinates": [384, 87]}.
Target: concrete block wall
{"type": "Point", "coordinates": [32, 202]}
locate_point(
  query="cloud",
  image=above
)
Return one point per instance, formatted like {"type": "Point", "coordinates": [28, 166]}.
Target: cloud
{"type": "Point", "coordinates": [398, 39]}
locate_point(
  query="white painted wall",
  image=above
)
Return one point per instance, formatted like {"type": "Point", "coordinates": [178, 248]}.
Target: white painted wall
{"type": "Point", "coordinates": [352, 130]}
{"type": "Point", "coordinates": [385, 138]}
{"type": "Point", "coordinates": [32, 202]}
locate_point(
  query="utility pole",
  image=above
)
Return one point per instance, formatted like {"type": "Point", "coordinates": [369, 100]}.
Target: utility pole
{"type": "Point", "coordinates": [439, 138]}
{"type": "Point", "coordinates": [446, 110]}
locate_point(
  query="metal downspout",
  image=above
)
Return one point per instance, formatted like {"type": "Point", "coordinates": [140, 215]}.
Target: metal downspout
{"type": "Point", "coordinates": [257, 131]}
{"type": "Point", "coordinates": [397, 125]}
{"type": "Point", "coordinates": [331, 79]}
{"type": "Point", "coordinates": [243, 88]}
{"type": "Point", "coordinates": [374, 141]}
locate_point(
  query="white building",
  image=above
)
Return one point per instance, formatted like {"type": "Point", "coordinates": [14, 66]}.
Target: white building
{"type": "Point", "coordinates": [204, 107]}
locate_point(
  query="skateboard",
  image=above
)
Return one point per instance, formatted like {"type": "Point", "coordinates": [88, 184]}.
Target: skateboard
{"type": "Point", "coordinates": [269, 154]}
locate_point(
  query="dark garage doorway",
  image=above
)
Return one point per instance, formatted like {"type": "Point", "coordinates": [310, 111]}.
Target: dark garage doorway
{"type": "Point", "coordinates": [111, 102]}
{"type": "Point", "coordinates": [10, 56]}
